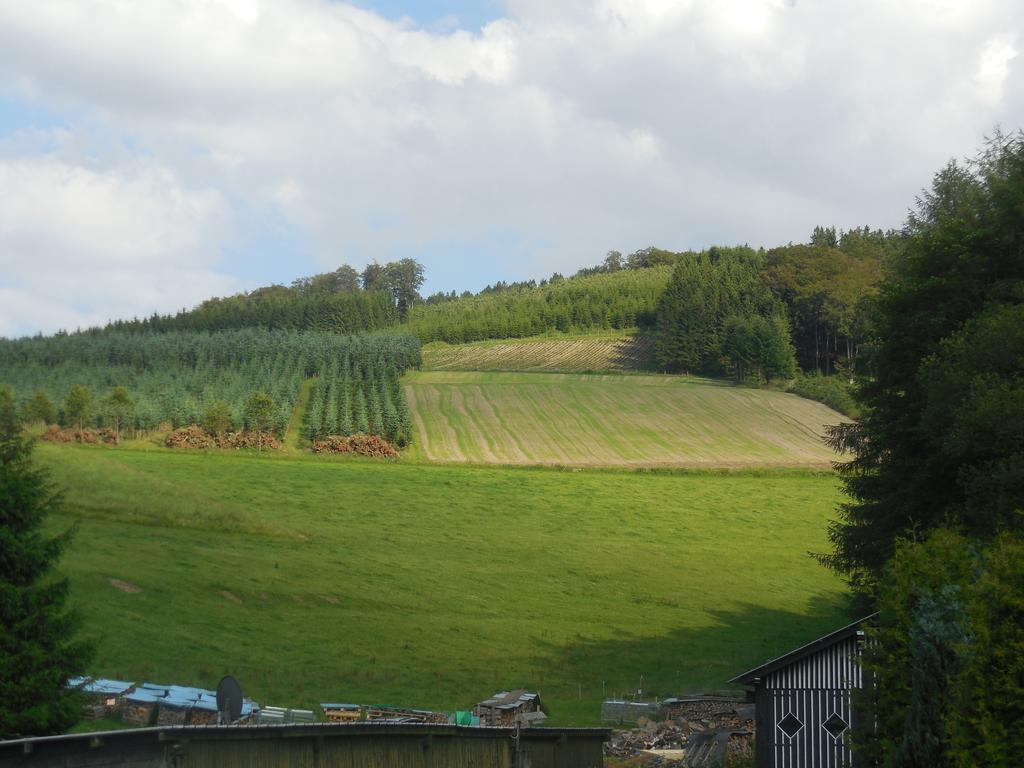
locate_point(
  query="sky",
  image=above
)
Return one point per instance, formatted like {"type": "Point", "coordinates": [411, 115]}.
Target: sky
{"type": "Point", "coordinates": [153, 154]}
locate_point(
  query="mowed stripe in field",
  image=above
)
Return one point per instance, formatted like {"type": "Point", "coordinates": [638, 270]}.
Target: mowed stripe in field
{"type": "Point", "coordinates": [616, 353]}
{"type": "Point", "coordinates": [610, 420]}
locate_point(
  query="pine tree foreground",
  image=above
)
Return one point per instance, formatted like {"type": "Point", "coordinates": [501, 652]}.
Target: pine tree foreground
{"type": "Point", "coordinates": [37, 650]}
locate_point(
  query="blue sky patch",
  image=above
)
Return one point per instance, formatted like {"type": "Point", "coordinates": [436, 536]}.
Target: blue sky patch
{"type": "Point", "coordinates": [427, 14]}
{"type": "Point", "coordinates": [18, 114]}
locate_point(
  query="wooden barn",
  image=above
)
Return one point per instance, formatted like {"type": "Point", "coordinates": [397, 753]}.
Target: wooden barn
{"type": "Point", "coordinates": [802, 705]}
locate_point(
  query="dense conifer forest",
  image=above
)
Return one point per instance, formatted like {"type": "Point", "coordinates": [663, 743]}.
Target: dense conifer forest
{"type": "Point", "coordinates": [620, 299]}
{"type": "Point", "coordinates": [278, 308]}
{"type": "Point", "coordinates": [182, 377]}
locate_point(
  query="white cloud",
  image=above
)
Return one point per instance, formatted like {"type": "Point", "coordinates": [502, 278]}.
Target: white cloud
{"type": "Point", "coordinates": [994, 67]}
{"type": "Point", "coordinates": [572, 127]}
{"type": "Point", "coordinates": [80, 246]}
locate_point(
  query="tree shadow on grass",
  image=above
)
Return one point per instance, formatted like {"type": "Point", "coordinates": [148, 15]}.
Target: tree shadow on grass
{"type": "Point", "coordinates": [634, 353]}
{"type": "Point", "coordinates": [685, 660]}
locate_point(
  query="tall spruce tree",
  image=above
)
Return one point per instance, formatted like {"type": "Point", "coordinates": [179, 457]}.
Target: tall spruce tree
{"type": "Point", "coordinates": [38, 652]}
{"type": "Point", "coordinates": [940, 439]}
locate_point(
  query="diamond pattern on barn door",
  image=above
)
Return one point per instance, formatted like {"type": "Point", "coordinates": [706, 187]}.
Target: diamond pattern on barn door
{"type": "Point", "coordinates": [835, 725]}
{"type": "Point", "coordinates": [790, 725]}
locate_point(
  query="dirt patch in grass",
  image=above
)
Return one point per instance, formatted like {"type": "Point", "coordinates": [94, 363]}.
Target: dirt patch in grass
{"type": "Point", "coordinates": [230, 596]}
{"type": "Point", "coordinates": [125, 586]}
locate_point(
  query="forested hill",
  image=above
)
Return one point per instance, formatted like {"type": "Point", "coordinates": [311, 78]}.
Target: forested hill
{"type": "Point", "coordinates": [619, 299]}
{"type": "Point", "coordinates": [724, 311]}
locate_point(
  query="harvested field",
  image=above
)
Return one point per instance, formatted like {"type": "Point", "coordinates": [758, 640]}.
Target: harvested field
{"type": "Point", "coordinates": [612, 420]}
{"type": "Point", "coordinates": [586, 354]}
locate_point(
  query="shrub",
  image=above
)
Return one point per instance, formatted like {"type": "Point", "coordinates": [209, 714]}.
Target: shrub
{"type": "Point", "coordinates": [833, 391]}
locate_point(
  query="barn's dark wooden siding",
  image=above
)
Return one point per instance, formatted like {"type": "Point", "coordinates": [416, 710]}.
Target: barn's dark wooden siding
{"type": "Point", "coordinates": [813, 684]}
{"type": "Point", "coordinates": [812, 690]}
{"type": "Point", "coordinates": [315, 746]}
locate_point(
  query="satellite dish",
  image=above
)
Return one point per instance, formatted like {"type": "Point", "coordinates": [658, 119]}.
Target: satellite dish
{"type": "Point", "coordinates": [229, 699]}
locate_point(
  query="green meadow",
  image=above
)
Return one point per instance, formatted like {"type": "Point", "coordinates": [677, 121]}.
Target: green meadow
{"type": "Point", "coordinates": [315, 579]}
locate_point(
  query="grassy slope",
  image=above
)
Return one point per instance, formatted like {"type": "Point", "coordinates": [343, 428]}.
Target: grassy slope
{"type": "Point", "coordinates": [294, 439]}
{"type": "Point", "coordinates": [433, 586]}
{"type": "Point", "coordinates": [572, 419]}
{"type": "Point", "coordinates": [567, 354]}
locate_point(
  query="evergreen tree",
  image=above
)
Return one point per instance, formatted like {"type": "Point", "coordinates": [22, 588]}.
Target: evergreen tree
{"type": "Point", "coordinates": [362, 417]}
{"type": "Point", "coordinates": [939, 441]}
{"type": "Point", "coordinates": [10, 425]}
{"type": "Point", "coordinates": [39, 408]}
{"type": "Point", "coordinates": [345, 410]}
{"type": "Point", "coordinates": [331, 410]}
{"type": "Point", "coordinates": [685, 319]}
{"type": "Point", "coordinates": [38, 652]}
{"type": "Point", "coordinates": [404, 423]}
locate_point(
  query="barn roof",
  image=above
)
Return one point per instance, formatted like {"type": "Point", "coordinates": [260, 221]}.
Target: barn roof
{"type": "Point", "coordinates": [750, 677]}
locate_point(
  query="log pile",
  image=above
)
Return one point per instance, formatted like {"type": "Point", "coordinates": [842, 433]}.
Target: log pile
{"type": "Point", "coordinates": [197, 437]}
{"type": "Point", "coordinates": [361, 445]}
{"type": "Point", "coordinates": [54, 434]}
{"type": "Point", "coordinates": [138, 712]}
{"type": "Point", "coordinates": [201, 716]}
{"type": "Point", "coordinates": [649, 735]}
{"type": "Point", "coordinates": [679, 735]}
{"type": "Point", "coordinates": [172, 715]}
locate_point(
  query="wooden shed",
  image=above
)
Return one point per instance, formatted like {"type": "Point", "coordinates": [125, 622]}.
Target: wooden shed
{"type": "Point", "coordinates": [104, 697]}
{"type": "Point", "coordinates": [803, 712]}
{"type": "Point", "coordinates": [510, 707]}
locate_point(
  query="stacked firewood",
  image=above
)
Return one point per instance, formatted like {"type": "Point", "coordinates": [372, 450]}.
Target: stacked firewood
{"type": "Point", "coordinates": [676, 735]}
{"type": "Point", "coordinates": [362, 445]}
{"type": "Point", "coordinates": [196, 437]}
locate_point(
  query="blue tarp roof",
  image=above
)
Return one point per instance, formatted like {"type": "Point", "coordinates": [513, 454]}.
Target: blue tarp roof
{"type": "Point", "coordinates": [143, 696]}
{"type": "Point", "coordinates": [187, 692]}
{"type": "Point", "coordinates": [103, 685]}
{"type": "Point", "coordinates": [172, 701]}
{"type": "Point", "coordinates": [171, 695]}
{"type": "Point", "coordinates": [99, 685]}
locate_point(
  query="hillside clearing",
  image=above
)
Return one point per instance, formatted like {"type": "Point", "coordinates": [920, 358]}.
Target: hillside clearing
{"type": "Point", "coordinates": [622, 352]}
{"type": "Point", "coordinates": [611, 420]}
{"type": "Point", "coordinates": [434, 586]}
